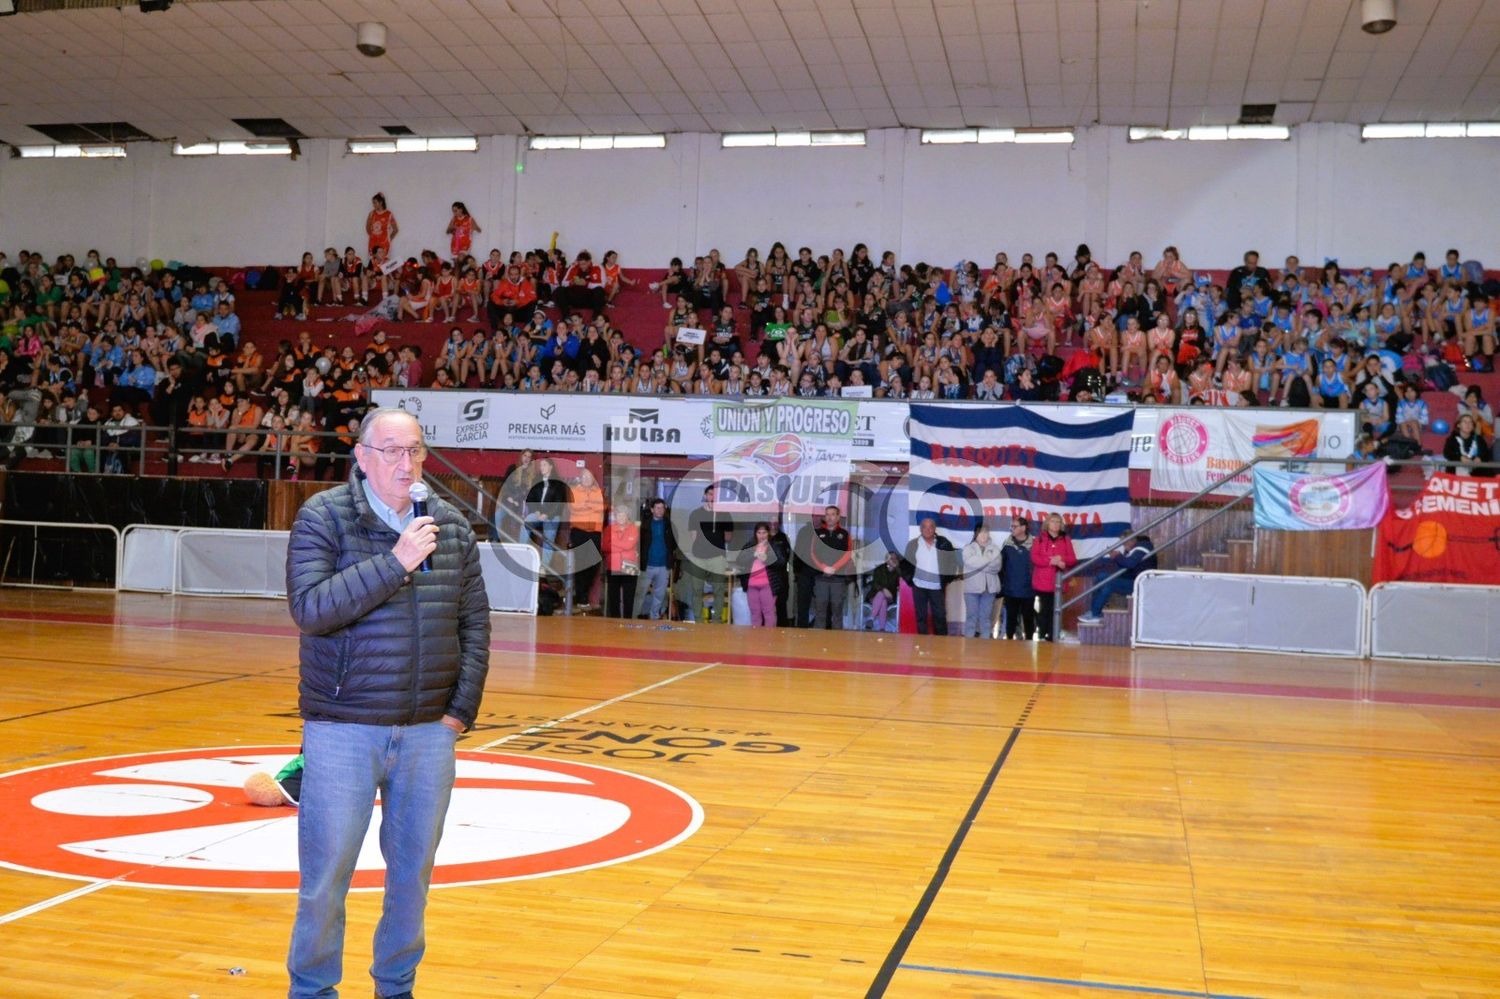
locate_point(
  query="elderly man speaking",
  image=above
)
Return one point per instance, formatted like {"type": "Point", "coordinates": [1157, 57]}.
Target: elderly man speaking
{"type": "Point", "coordinates": [394, 650]}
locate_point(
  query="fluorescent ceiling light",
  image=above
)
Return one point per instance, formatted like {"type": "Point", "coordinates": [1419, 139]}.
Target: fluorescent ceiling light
{"type": "Point", "coordinates": [453, 144]}
{"type": "Point", "coordinates": [254, 147]}
{"type": "Point", "coordinates": [71, 152]}
{"type": "Point", "coordinates": [1147, 134]}
{"type": "Point", "coordinates": [949, 136]}
{"type": "Point", "coordinates": [1222, 133]}
{"type": "Point", "coordinates": [1395, 131]}
{"type": "Point", "coordinates": [275, 147]}
{"type": "Point", "coordinates": [1043, 135]}
{"type": "Point", "coordinates": [748, 140]}
{"type": "Point", "coordinates": [640, 142]}
{"type": "Point", "coordinates": [1275, 133]}
{"type": "Point", "coordinates": [1432, 130]}
{"type": "Point", "coordinates": [986, 136]}
{"type": "Point", "coordinates": [654, 141]}
{"type": "Point", "coordinates": [838, 138]}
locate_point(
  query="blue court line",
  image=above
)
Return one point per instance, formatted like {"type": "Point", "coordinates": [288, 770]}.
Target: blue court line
{"type": "Point", "coordinates": [1144, 990]}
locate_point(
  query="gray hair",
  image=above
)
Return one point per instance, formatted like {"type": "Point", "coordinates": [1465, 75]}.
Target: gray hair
{"type": "Point", "coordinates": [374, 416]}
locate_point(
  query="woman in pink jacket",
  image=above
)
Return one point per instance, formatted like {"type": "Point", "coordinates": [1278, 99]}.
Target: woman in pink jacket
{"type": "Point", "coordinates": [1052, 551]}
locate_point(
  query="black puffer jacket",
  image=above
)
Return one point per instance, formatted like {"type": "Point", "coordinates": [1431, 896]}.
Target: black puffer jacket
{"type": "Point", "coordinates": [381, 646]}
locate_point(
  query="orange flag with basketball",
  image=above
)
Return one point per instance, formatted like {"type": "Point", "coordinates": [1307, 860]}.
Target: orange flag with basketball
{"type": "Point", "coordinates": [1451, 534]}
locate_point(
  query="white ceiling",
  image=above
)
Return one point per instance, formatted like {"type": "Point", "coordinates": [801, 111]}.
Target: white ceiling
{"type": "Point", "coordinates": [567, 66]}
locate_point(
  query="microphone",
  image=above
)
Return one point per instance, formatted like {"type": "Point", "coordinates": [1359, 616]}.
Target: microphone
{"type": "Point", "coordinates": [419, 494]}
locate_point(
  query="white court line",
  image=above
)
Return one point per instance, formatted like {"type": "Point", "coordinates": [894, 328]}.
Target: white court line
{"type": "Point", "coordinates": [592, 708]}
{"type": "Point", "coordinates": [89, 889]}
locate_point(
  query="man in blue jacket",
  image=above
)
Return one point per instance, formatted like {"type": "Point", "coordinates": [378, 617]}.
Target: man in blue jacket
{"type": "Point", "coordinates": [393, 659]}
{"type": "Point", "coordinates": [1135, 556]}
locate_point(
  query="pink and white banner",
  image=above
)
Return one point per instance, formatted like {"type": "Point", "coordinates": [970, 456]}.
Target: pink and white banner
{"type": "Point", "coordinates": [1309, 501]}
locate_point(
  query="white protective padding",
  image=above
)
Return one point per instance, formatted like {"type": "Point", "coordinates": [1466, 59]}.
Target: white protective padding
{"type": "Point", "coordinates": [211, 562]}
{"type": "Point", "coordinates": [512, 575]}
{"type": "Point", "coordinates": [148, 558]}
{"type": "Point", "coordinates": [1437, 621]}
{"type": "Point", "coordinates": [1287, 614]}
{"type": "Point", "coordinates": [232, 563]}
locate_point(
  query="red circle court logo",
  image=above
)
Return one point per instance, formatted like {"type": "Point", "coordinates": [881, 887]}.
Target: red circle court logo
{"type": "Point", "coordinates": [180, 820]}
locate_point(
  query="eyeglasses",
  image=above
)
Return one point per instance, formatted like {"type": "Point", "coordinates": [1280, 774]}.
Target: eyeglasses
{"type": "Point", "coordinates": [393, 453]}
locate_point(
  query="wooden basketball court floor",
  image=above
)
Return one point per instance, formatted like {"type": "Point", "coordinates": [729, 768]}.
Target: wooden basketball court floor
{"type": "Point", "coordinates": [880, 815]}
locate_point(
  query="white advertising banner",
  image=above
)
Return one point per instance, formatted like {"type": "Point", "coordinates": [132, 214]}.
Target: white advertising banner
{"type": "Point", "coordinates": [683, 426]}
{"type": "Point", "coordinates": [1197, 446]}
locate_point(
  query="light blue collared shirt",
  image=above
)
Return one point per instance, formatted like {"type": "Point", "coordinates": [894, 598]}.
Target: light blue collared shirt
{"type": "Point", "coordinates": [395, 521]}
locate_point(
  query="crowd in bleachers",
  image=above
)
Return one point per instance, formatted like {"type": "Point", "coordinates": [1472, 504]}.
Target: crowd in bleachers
{"type": "Point", "coordinates": [169, 345]}
{"type": "Point", "coordinates": [91, 350]}
{"type": "Point", "coordinates": [857, 325]}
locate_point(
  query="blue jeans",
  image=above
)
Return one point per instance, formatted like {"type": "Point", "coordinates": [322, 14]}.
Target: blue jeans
{"type": "Point", "coordinates": [544, 533]}
{"type": "Point", "coordinates": [651, 593]}
{"type": "Point", "coordinates": [979, 615]}
{"type": "Point", "coordinates": [411, 766]}
{"type": "Point", "coordinates": [1101, 596]}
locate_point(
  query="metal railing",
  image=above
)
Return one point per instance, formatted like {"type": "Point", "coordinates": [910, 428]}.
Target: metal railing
{"type": "Point", "coordinates": [1059, 603]}
{"type": "Point", "coordinates": [88, 449]}
{"type": "Point", "coordinates": [140, 441]}
{"type": "Point", "coordinates": [1087, 567]}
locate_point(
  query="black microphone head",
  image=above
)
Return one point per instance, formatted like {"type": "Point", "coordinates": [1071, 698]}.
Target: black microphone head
{"type": "Point", "coordinates": [419, 492]}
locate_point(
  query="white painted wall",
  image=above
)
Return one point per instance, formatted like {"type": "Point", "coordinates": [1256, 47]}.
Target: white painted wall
{"type": "Point", "coordinates": [1212, 200]}
{"type": "Point", "coordinates": [1012, 198]}
{"type": "Point", "coordinates": [1322, 194]}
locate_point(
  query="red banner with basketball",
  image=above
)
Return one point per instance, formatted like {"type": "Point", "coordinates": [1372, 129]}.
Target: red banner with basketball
{"type": "Point", "coordinates": [1451, 534]}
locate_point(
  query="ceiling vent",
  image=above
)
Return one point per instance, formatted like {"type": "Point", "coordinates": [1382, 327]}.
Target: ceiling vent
{"type": "Point", "coordinates": [87, 133]}
{"type": "Point", "coordinates": [397, 130]}
{"type": "Point", "coordinates": [269, 128]}
{"type": "Point", "coordinates": [1257, 114]}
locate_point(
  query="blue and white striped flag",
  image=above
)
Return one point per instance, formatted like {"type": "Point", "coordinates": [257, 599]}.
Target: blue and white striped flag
{"type": "Point", "coordinates": [994, 462]}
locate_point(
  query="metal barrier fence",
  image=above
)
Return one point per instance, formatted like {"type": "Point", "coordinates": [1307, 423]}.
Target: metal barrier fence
{"type": "Point", "coordinates": [204, 561]}
{"type": "Point", "coordinates": [1298, 615]}
{"type": "Point", "coordinates": [1435, 621]}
